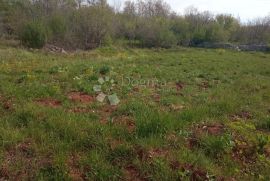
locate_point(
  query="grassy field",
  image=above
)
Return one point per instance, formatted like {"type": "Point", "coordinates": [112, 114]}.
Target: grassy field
{"type": "Point", "coordinates": [184, 114]}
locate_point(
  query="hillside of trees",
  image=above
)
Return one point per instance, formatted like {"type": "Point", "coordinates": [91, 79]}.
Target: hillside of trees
{"type": "Point", "coordinates": [78, 24]}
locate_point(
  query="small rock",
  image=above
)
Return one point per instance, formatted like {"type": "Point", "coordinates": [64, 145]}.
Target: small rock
{"type": "Point", "coordinates": [101, 97]}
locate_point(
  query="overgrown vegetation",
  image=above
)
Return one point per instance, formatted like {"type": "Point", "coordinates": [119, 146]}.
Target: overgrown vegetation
{"type": "Point", "coordinates": [207, 118]}
{"type": "Point", "coordinates": [120, 112]}
{"type": "Point", "coordinates": [146, 23]}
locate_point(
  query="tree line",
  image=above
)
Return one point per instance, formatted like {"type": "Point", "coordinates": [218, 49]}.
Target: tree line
{"type": "Point", "coordinates": [87, 24]}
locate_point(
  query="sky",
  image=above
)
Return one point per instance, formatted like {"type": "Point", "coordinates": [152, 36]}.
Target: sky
{"type": "Point", "coordinates": [244, 9]}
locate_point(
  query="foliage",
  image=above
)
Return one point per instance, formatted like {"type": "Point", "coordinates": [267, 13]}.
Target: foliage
{"type": "Point", "coordinates": [33, 35]}
{"type": "Point", "coordinates": [149, 23]}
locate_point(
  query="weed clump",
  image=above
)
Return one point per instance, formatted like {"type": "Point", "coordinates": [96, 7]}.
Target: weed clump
{"type": "Point", "coordinates": [264, 124]}
{"type": "Point", "coordinates": [104, 70]}
{"type": "Point", "coordinates": [215, 146]}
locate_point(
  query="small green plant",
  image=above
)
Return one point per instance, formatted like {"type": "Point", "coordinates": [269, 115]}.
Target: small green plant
{"type": "Point", "coordinates": [22, 119]}
{"type": "Point", "coordinates": [262, 141]}
{"type": "Point", "coordinates": [215, 146]}
{"type": "Point", "coordinates": [104, 70]}
{"type": "Point", "coordinates": [51, 173]}
{"type": "Point", "coordinates": [33, 35]}
{"type": "Point", "coordinates": [121, 154]}
{"type": "Point", "coordinates": [264, 124]}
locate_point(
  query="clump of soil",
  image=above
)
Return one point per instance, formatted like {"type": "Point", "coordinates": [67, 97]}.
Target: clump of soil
{"type": "Point", "coordinates": [156, 97]}
{"type": "Point", "coordinates": [146, 155]}
{"type": "Point", "coordinates": [7, 105]}
{"type": "Point", "coordinates": [192, 142]}
{"type": "Point", "coordinates": [179, 86]}
{"type": "Point", "coordinates": [49, 102]}
{"type": "Point", "coordinates": [244, 152]}
{"type": "Point", "coordinates": [74, 170]}
{"type": "Point", "coordinates": [23, 156]}
{"type": "Point", "coordinates": [214, 129]}
{"type": "Point", "coordinates": [106, 112]}
{"type": "Point", "coordinates": [131, 173]}
{"type": "Point", "coordinates": [125, 121]}
{"type": "Point", "coordinates": [158, 152]}
{"type": "Point", "coordinates": [241, 115]}
{"type": "Point", "coordinates": [204, 85]}
{"type": "Point", "coordinates": [80, 97]}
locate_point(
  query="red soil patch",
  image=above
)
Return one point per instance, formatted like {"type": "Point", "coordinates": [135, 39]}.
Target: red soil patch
{"type": "Point", "coordinates": [7, 105]}
{"type": "Point", "coordinates": [127, 122]}
{"type": "Point", "coordinates": [179, 86]}
{"type": "Point", "coordinates": [80, 97]}
{"type": "Point", "coordinates": [204, 85]}
{"type": "Point", "coordinates": [244, 153]}
{"type": "Point", "coordinates": [145, 155]}
{"type": "Point", "coordinates": [153, 153]}
{"type": "Point", "coordinates": [195, 173]}
{"type": "Point", "coordinates": [242, 115]}
{"type": "Point", "coordinates": [50, 102]}
{"type": "Point", "coordinates": [267, 152]}
{"type": "Point", "coordinates": [105, 112]}
{"type": "Point", "coordinates": [142, 153]}
{"type": "Point", "coordinates": [80, 110]}
{"type": "Point", "coordinates": [136, 89]}
{"type": "Point", "coordinates": [192, 142]}
{"type": "Point", "coordinates": [156, 97]}
{"type": "Point", "coordinates": [214, 129]}
{"type": "Point", "coordinates": [131, 173]}
{"type": "Point", "coordinates": [114, 143]}
{"type": "Point", "coordinates": [75, 172]}
{"type": "Point", "coordinates": [23, 157]}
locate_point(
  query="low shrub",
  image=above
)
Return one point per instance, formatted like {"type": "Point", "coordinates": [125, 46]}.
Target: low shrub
{"type": "Point", "coordinates": [33, 35]}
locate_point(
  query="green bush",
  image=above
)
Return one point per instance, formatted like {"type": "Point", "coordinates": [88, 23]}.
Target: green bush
{"type": "Point", "coordinates": [57, 26]}
{"type": "Point", "coordinates": [33, 35]}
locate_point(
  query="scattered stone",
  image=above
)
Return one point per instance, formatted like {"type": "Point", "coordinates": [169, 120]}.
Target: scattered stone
{"type": "Point", "coordinates": [175, 107]}
{"type": "Point", "coordinates": [113, 99]}
{"type": "Point", "coordinates": [97, 88]}
{"type": "Point", "coordinates": [54, 49]}
{"type": "Point", "coordinates": [101, 97]}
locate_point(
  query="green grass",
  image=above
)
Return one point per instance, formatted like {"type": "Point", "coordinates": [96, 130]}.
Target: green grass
{"type": "Point", "coordinates": [149, 129]}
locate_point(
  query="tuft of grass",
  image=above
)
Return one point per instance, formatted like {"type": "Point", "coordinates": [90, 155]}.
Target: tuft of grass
{"type": "Point", "coordinates": [52, 173]}
{"type": "Point", "coordinates": [264, 124]}
{"type": "Point", "coordinates": [104, 70]}
{"type": "Point", "coordinates": [216, 146]}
